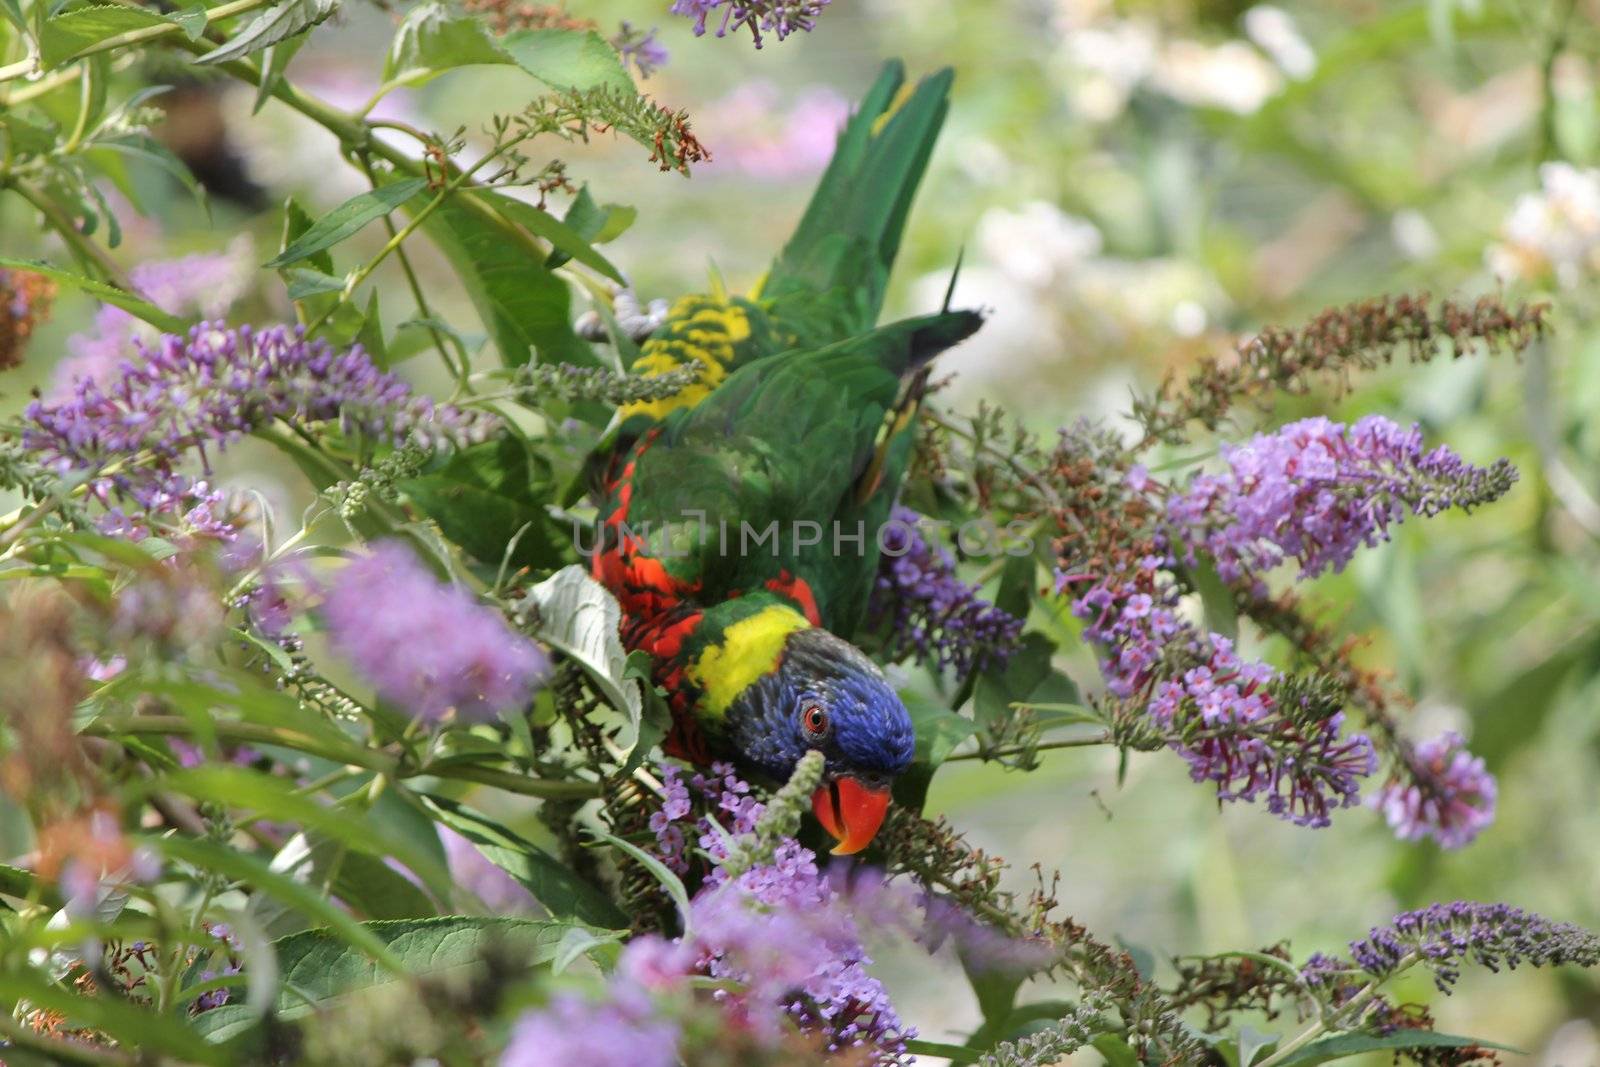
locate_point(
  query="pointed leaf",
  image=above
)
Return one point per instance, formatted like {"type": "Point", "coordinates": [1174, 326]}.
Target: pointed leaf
{"type": "Point", "coordinates": [580, 618]}
{"type": "Point", "coordinates": [346, 219]}
{"type": "Point", "coordinates": [275, 24]}
{"type": "Point", "coordinates": [575, 60]}
{"type": "Point", "coordinates": [68, 34]}
{"type": "Point", "coordinates": [431, 41]}
{"type": "Point", "coordinates": [1343, 1045]}
{"type": "Point", "coordinates": [522, 305]}
{"type": "Point", "coordinates": [566, 241]}
{"type": "Point", "coordinates": [133, 305]}
{"type": "Point", "coordinates": [318, 969]}
{"type": "Point", "coordinates": [556, 887]}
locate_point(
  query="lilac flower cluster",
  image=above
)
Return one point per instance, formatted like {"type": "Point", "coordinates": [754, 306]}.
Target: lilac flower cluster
{"type": "Point", "coordinates": [204, 285]}
{"type": "Point", "coordinates": [1317, 490]}
{"type": "Point", "coordinates": [926, 610]}
{"type": "Point", "coordinates": [1447, 794]}
{"type": "Point", "coordinates": [623, 1030]}
{"type": "Point", "coordinates": [428, 647]}
{"type": "Point", "coordinates": [1446, 936]}
{"type": "Point", "coordinates": [200, 393]}
{"type": "Point", "coordinates": [721, 794]}
{"type": "Point", "coordinates": [1238, 724]}
{"type": "Point", "coordinates": [778, 17]}
{"type": "Point", "coordinates": [640, 48]}
{"type": "Point", "coordinates": [785, 941]}
{"type": "Point", "coordinates": [789, 938]}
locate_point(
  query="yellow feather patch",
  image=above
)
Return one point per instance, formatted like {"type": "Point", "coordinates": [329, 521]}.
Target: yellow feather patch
{"type": "Point", "coordinates": [749, 649]}
{"type": "Point", "coordinates": [697, 327]}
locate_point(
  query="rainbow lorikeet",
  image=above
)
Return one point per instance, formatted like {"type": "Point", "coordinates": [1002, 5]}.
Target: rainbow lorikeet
{"type": "Point", "coordinates": [739, 517]}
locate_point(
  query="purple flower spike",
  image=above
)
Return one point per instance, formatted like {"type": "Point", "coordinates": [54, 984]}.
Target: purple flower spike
{"type": "Point", "coordinates": [428, 647]}
{"type": "Point", "coordinates": [1445, 936]}
{"type": "Point", "coordinates": [926, 610]}
{"type": "Point", "coordinates": [777, 17]}
{"type": "Point", "coordinates": [1316, 491]}
{"type": "Point", "coordinates": [1444, 793]}
{"type": "Point", "coordinates": [197, 395]}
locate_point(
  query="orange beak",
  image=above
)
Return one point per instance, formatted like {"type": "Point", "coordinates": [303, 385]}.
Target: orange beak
{"type": "Point", "coordinates": [850, 811]}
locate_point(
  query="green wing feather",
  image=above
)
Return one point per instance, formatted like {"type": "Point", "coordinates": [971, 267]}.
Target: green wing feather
{"type": "Point", "coordinates": [784, 439]}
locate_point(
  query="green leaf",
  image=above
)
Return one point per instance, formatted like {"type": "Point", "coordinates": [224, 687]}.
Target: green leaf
{"type": "Point", "coordinates": [658, 870]}
{"type": "Point", "coordinates": [346, 219]}
{"type": "Point", "coordinates": [191, 18]}
{"type": "Point", "coordinates": [956, 1054]}
{"type": "Point", "coordinates": [522, 305]}
{"type": "Point", "coordinates": [481, 521]}
{"type": "Point", "coordinates": [1023, 676]}
{"type": "Point", "coordinates": [580, 618]}
{"type": "Point", "coordinates": [274, 62]}
{"type": "Point", "coordinates": [243, 867]}
{"type": "Point", "coordinates": [305, 282]}
{"type": "Point", "coordinates": [1116, 1051]}
{"type": "Point", "coordinates": [26, 137]}
{"type": "Point", "coordinates": [558, 889]}
{"type": "Point", "coordinates": [575, 60]}
{"type": "Point", "coordinates": [1216, 599]}
{"type": "Point", "coordinates": [318, 970]}
{"type": "Point", "coordinates": [120, 1019]}
{"type": "Point", "coordinates": [147, 149]}
{"type": "Point", "coordinates": [598, 223]}
{"type": "Point", "coordinates": [140, 309]}
{"type": "Point", "coordinates": [1252, 1043]}
{"type": "Point", "coordinates": [12, 10]}
{"type": "Point", "coordinates": [1342, 1045]}
{"type": "Point", "coordinates": [996, 990]}
{"type": "Point", "coordinates": [241, 787]}
{"type": "Point", "coordinates": [566, 241]}
{"type": "Point", "coordinates": [368, 884]}
{"type": "Point", "coordinates": [270, 27]}
{"type": "Point", "coordinates": [296, 222]}
{"type": "Point", "coordinates": [431, 41]}
{"type": "Point", "coordinates": [16, 882]}
{"type": "Point", "coordinates": [68, 34]}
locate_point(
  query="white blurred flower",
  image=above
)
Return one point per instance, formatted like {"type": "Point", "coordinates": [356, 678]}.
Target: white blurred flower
{"type": "Point", "coordinates": [1036, 243]}
{"type": "Point", "coordinates": [1189, 319]}
{"type": "Point", "coordinates": [1109, 62]}
{"type": "Point", "coordinates": [1274, 32]}
{"type": "Point", "coordinates": [1413, 234]}
{"type": "Point", "coordinates": [1555, 230]}
{"type": "Point", "coordinates": [1231, 75]}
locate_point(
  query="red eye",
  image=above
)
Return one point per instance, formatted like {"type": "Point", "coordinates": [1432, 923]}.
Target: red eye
{"type": "Point", "coordinates": [814, 719]}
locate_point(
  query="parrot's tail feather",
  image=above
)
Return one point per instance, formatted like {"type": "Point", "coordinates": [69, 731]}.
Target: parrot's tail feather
{"type": "Point", "coordinates": [845, 244]}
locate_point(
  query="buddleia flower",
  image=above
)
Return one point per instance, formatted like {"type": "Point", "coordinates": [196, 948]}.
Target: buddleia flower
{"type": "Point", "coordinates": [1316, 491]}
{"type": "Point", "coordinates": [923, 608]}
{"type": "Point", "coordinates": [1440, 790]}
{"type": "Point", "coordinates": [430, 648]}
{"type": "Point", "coordinates": [190, 398]}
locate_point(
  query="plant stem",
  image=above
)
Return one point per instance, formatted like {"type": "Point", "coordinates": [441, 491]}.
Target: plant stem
{"type": "Point", "coordinates": [364, 271]}
{"type": "Point", "coordinates": [1043, 746]}
{"type": "Point", "coordinates": [1351, 1008]}
{"type": "Point", "coordinates": [150, 33]}
{"type": "Point", "coordinates": [91, 255]}
{"type": "Point", "coordinates": [371, 759]}
{"type": "Point", "coordinates": [465, 367]}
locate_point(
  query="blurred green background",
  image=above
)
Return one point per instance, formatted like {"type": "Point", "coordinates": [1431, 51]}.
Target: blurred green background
{"type": "Point", "coordinates": [1136, 185]}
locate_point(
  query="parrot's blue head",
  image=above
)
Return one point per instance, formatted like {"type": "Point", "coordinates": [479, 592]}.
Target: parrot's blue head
{"type": "Point", "coordinates": [825, 694]}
